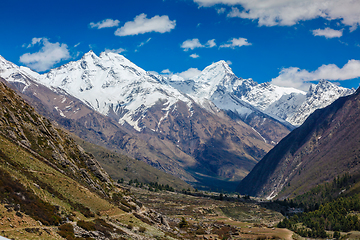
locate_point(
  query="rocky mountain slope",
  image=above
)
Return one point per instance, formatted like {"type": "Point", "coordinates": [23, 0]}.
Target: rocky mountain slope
{"type": "Point", "coordinates": [50, 188]}
{"type": "Point", "coordinates": [324, 147]}
{"type": "Point", "coordinates": [208, 131]}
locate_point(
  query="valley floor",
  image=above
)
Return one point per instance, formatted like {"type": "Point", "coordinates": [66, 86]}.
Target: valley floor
{"type": "Point", "coordinates": [208, 218]}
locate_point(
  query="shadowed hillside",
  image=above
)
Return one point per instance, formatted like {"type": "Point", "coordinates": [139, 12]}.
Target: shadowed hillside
{"type": "Point", "coordinates": [324, 147]}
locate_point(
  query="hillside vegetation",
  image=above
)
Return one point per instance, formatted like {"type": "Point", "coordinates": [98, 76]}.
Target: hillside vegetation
{"type": "Point", "coordinates": [50, 188]}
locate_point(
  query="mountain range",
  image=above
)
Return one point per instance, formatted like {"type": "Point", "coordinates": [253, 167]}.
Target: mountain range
{"type": "Point", "coordinates": [210, 130]}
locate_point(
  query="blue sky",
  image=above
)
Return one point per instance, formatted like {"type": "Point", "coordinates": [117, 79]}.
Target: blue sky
{"type": "Point", "coordinates": [288, 42]}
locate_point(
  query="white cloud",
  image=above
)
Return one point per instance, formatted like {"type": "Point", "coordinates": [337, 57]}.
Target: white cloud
{"type": "Point", "coordinates": [141, 25]}
{"type": "Point", "coordinates": [166, 71]}
{"type": "Point", "coordinates": [236, 42]}
{"type": "Point", "coordinates": [194, 55]}
{"type": "Point", "coordinates": [211, 43]}
{"type": "Point", "coordinates": [195, 43]}
{"type": "Point", "coordinates": [47, 57]}
{"type": "Point", "coordinates": [143, 43]}
{"type": "Point", "coordinates": [229, 62]}
{"type": "Point", "coordinates": [290, 12]}
{"type": "Point", "coordinates": [328, 33]}
{"type": "Point", "coordinates": [107, 23]}
{"type": "Point", "coordinates": [118, 50]}
{"type": "Point", "coordinates": [299, 78]}
{"type": "Point", "coordinates": [34, 41]}
{"type": "Point", "coordinates": [190, 73]}
{"type": "Point", "coordinates": [76, 45]}
{"type": "Point", "coordinates": [221, 10]}
{"type": "Point", "coordinates": [191, 44]}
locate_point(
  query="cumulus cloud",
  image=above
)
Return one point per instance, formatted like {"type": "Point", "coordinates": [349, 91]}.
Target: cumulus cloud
{"type": "Point", "coordinates": [328, 33]}
{"type": "Point", "coordinates": [49, 54]}
{"type": "Point", "coordinates": [290, 12]}
{"type": "Point", "coordinates": [166, 71]}
{"type": "Point", "coordinates": [195, 43]}
{"type": "Point", "coordinates": [299, 78]}
{"type": "Point", "coordinates": [236, 42]}
{"type": "Point", "coordinates": [190, 73]}
{"type": "Point", "coordinates": [34, 41]}
{"type": "Point", "coordinates": [141, 25]}
{"type": "Point", "coordinates": [118, 50]}
{"type": "Point", "coordinates": [194, 55]}
{"type": "Point", "coordinates": [211, 43]}
{"type": "Point", "coordinates": [107, 23]}
{"type": "Point", "coordinates": [191, 44]}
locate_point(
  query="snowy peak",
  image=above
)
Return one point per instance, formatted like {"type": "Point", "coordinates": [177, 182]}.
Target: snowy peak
{"type": "Point", "coordinates": [319, 96]}
{"type": "Point", "coordinates": [7, 68]}
{"type": "Point", "coordinates": [92, 71]}
{"type": "Point", "coordinates": [217, 76]}
{"type": "Point", "coordinates": [14, 73]}
{"type": "Point", "coordinates": [113, 85]}
{"type": "Point", "coordinates": [325, 87]}
{"type": "Point", "coordinates": [221, 67]}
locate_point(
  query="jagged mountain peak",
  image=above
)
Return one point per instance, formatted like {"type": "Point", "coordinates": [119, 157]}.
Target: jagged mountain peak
{"type": "Point", "coordinates": [217, 70]}
{"type": "Point", "coordinates": [319, 96]}
{"type": "Point", "coordinates": [327, 86]}
{"type": "Point", "coordinates": [219, 66]}
{"type": "Point", "coordinates": [112, 84]}
{"type": "Point", "coordinates": [217, 76]}
{"type": "Point", "coordinates": [89, 54]}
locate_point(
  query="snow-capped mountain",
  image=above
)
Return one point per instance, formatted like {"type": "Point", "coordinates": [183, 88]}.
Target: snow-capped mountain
{"type": "Point", "coordinates": [111, 84]}
{"type": "Point", "coordinates": [244, 97]}
{"type": "Point", "coordinates": [319, 96]}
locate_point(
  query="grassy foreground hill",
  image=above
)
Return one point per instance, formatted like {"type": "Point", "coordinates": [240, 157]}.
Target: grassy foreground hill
{"type": "Point", "coordinates": [50, 188]}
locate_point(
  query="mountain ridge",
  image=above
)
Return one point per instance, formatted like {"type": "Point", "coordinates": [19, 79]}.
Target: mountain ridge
{"type": "Point", "coordinates": [323, 148]}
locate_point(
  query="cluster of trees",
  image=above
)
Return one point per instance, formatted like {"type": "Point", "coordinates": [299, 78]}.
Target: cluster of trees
{"type": "Point", "coordinates": [152, 186]}
{"type": "Point", "coordinates": [324, 209]}
{"type": "Point", "coordinates": [325, 192]}
{"type": "Point", "coordinates": [337, 215]}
